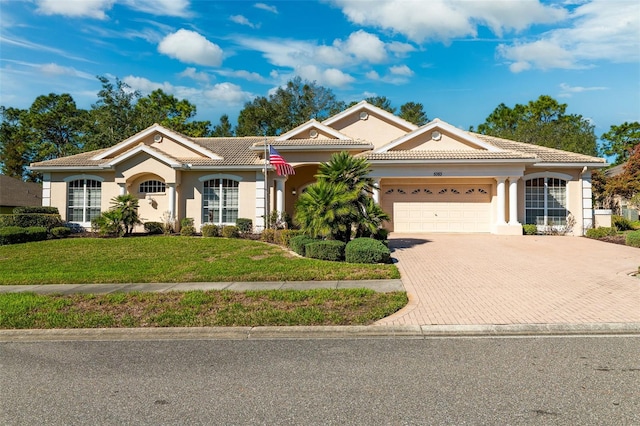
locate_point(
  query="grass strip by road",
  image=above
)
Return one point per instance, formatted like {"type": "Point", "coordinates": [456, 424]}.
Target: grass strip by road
{"type": "Point", "coordinates": [198, 309]}
{"type": "Point", "coordinates": [168, 259]}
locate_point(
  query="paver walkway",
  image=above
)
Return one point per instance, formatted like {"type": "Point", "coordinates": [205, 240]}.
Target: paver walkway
{"type": "Point", "coordinates": [492, 279]}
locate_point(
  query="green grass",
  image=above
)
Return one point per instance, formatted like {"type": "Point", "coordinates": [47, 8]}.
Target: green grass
{"type": "Point", "coordinates": [198, 309]}
{"type": "Point", "coordinates": [168, 259]}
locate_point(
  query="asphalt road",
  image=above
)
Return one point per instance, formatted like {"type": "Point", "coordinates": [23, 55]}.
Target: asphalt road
{"type": "Point", "coordinates": [505, 381]}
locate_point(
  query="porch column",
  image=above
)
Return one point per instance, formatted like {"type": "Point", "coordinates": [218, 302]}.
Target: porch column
{"type": "Point", "coordinates": [501, 200]}
{"type": "Point", "coordinates": [172, 200]}
{"type": "Point", "coordinates": [376, 191]}
{"type": "Point", "coordinates": [280, 195]}
{"type": "Point", "coordinates": [513, 201]}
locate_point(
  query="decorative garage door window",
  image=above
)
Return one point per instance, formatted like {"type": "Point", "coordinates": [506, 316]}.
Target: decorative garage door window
{"type": "Point", "coordinates": [220, 201]}
{"type": "Point", "coordinates": [83, 200]}
{"type": "Point", "coordinates": [152, 187]}
{"type": "Point", "coordinates": [546, 201]}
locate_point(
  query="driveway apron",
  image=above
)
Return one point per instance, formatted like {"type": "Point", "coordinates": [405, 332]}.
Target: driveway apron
{"type": "Point", "coordinates": [493, 279]}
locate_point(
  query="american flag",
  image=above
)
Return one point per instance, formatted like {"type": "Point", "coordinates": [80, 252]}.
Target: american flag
{"type": "Point", "coordinates": [282, 167]}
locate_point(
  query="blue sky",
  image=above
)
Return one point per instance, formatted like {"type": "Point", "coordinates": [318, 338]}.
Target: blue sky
{"type": "Point", "coordinates": [460, 59]}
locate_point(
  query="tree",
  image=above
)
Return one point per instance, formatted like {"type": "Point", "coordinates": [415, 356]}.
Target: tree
{"type": "Point", "coordinates": [288, 107]}
{"type": "Point", "coordinates": [542, 122]}
{"type": "Point", "coordinates": [112, 119]}
{"type": "Point", "coordinates": [223, 129]}
{"type": "Point", "coordinates": [168, 111]}
{"type": "Point", "coordinates": [414, 113]}
{"type": "Point", "coordinates": [381, 102]}
{"type": "Point", "coordinates": [127, 208]}
{"type": "Point", "coordinates": [620, 141]}
{"type": "Point", "coordinates": [14, 143]}
{"type": "Point", "coordinates": [627, 183]}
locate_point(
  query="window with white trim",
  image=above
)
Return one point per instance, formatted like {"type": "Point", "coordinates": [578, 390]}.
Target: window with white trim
{"type": "Point", "coordinates": [220, 201]}
{"type": "Point", "coordinates": [152, 187]}
{"type": "Point", "coordinates": [546, 201]}
{"type": "Point", "coordinates": [84, 197]}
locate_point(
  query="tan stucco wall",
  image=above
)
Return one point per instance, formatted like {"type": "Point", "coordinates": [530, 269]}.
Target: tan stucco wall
{"type": "Point", "coordinates": [424, 142]}
{"type": "Point", "coordinates": [59, 189]}
{"type": "Point", "coordinates": [374, 129]}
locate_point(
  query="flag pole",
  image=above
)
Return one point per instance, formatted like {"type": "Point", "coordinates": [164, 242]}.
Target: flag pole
{"type": "Point", "coordinates": [266, 186]}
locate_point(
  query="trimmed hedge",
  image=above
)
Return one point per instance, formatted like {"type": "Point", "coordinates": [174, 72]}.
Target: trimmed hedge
{"type": "Point", "coordinates": [326, 250]}
{"type": "Point", "coordinates": [529, 229]}
{"type": "Point", "coordinates": [36, 209]}
{"type": "Point", "coordinates": [367, 250]}
{"type": "Point", "coordinates": [154, 227]}
{"type": "Point", "coordinates": [601, 232]}
{"type": "Point", "coordinates": [633, 239]}
{"type": "Point", "coordinates": [210, 231]}
{"type": "Point", "coordinates": [60, 232]}
{"type": "Point", "coordinates": [16, 234]}
{"type": "Point", "coordinates": [299, 242]}
{"type": "Point", "coordinates": [268, 235]}
{"type": "Point", "coordinates": [230, 232]}
{"type": "Point", "coordinates": [25, 220]}
{"type": "Point", "coordinates": [188, 230]}
{"type": "Point", "coordinates": [244, 225]}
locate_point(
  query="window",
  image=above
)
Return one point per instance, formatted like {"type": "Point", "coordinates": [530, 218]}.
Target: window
{"type": "Point", "coordinates": [152, 186]}
{"type": "Point", "coordinates": [220, 201]}
{"type": "Point", "coordinates": [83, 200]}
{"type": "Point", "coordinates": [546, 201]}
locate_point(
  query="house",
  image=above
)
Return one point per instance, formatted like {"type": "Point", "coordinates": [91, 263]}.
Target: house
{"type": "Point", "coordinates": [434, 178]}
{"type": "Point", "coordinates": [16, 193]}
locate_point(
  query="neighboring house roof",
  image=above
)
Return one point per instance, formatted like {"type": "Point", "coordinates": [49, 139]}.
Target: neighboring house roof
{"type": "Point", "coordinates": [14, 192]}
{"type": "Point", "coordinates": [615, 170]}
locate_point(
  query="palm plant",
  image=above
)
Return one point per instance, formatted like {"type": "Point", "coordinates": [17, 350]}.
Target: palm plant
{"type": "Point", "coordinates": [322, 208]}
{"type": "Point", "coordinates": [371, 219]}
{"type": "Point", "coordinates": [127, 205]}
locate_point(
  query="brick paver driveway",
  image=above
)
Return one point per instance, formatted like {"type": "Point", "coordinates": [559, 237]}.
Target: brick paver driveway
{"type": "Point", "coordinates": [491, 279]}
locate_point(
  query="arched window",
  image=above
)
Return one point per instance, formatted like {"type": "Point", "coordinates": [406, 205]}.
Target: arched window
{"type": "Point", "coordinates": [152, 187]}
{"type": "Point", "coordinates": [546, 201]}
{"type": "Point", "coordinates": [84, 197]}
{"type": "Point", "coordinates": [220, 201]}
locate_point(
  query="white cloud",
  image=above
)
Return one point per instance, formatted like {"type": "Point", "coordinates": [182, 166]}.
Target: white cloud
{"type": "Point", "coordinates": [178, 8]}
{"type": "Point", "coordinates": [597, 31]}
{"type": "Point", "coordinates": [372, 75]}
{"type": "Point", "coordinates": [365, 46]}
{"type": "Point", "coordinates": [190, 47]}
{"type": "Point", "coordinates": [55, 69]}
{"type": "Point", "coordinates": [145, 86]}
{"type": "Point", "coordinates": [400, 49]}
{"type": "Point", "coordinates": [332, 76]}
{"type": "Point", "coordinates": [447, 19]}
{"type": "Point", "coordinates": [75, 8]}
{"type": "Point", "coordinates": [246, 75]}
{"type": "Point", "coordinates": [191, 73]}
{"type": "Point", "coordinates": [567, 91]}
{"type": "Point", "coordinates": [227, 94]}
{"type": "Point", "coordinates": [266, 7]}
{"type": "Point", "coordinates": [402, 70]}
{"type": "Point", "coordinates": [241, 20]}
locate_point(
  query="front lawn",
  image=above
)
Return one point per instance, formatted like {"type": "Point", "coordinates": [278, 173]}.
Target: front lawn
{"type": "Point", "coordinates": [168, 259]}
{"type": "Point", "coordinates": [198, 309]}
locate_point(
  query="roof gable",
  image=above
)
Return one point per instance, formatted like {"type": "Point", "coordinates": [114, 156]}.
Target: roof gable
{"type": "Point", "coordinates": [142, 148]}
{"type": "Point", "coordinates": [160, 134]}
{"type": "Point", "coordinates": [312, 129]}
{"type": "Point", "coordinates": [363, 109]}
{"type": "Point", "coordinates": [437, 135]}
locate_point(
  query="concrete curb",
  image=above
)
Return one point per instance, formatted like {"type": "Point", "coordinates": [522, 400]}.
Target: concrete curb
{"type": "Point", "coordinates": [319, 332]}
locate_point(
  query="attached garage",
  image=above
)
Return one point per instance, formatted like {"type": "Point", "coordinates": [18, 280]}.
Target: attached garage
{"type": "Point", "coordinates": [438, 207]}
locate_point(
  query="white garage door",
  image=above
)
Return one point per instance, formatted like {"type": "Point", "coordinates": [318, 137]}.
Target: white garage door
{"type": "Point", "coordinates": [440, 208]}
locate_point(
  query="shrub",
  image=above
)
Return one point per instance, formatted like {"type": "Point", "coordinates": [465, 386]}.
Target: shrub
{"type": "Point", "coordinates": [60, 232]}
{"type": "Point", "coordinates": [109, 223]}
{"type": "Point", "coordinates": [268, 235]}
{"type": "Point", "coordinates": [633, 239]}
{"type": "Point", "coordinates": [244, 225]}
{"type": "Point", "coordinates": [601, 232]}
{"type": "Point", "coordinates": [367, 250]}
{"type": "Point", "coordinates": [25, 220]}
{"type": "Point", "coordinates": [283, 236]}
{"type": "Point", "coordinates": [529, 229]}
{"type": "Point", "coordinates": [188, 230]}
{"type": "Point", "coordinates": [621, 223]}
{"type": "Point", "coordinates": [36, 233]}
{"type": "Point", "coordinates": [186, 221]}
{"type": "Point", "coordinates": [210, 230]}
{"type": "Point", "coordinates": [12, 235]}
{"type": "Point", "coordinates": [230, 232]}
{"type": "Point", "coordinates": [153, 227]}
{"type": "Point", "coordinates": [299, 242]}
{"type": "Point", "coordinates": [36, 209]}
{"type": "Point", "coordinates": [326, 250]}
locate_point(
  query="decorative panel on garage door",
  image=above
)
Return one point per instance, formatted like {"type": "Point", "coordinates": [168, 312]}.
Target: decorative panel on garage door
{"type": "Point", "coordinates": [439, 208]}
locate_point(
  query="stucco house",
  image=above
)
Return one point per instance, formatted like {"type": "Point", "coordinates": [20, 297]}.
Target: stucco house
{"type": "Point", "coordinates": [434, 178]}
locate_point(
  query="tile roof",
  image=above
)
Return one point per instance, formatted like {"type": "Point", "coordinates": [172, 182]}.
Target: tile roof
{"type": "Point", "coordinates": [462, 154]}
{"type": "Point", "coordinates": [543, 154]}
